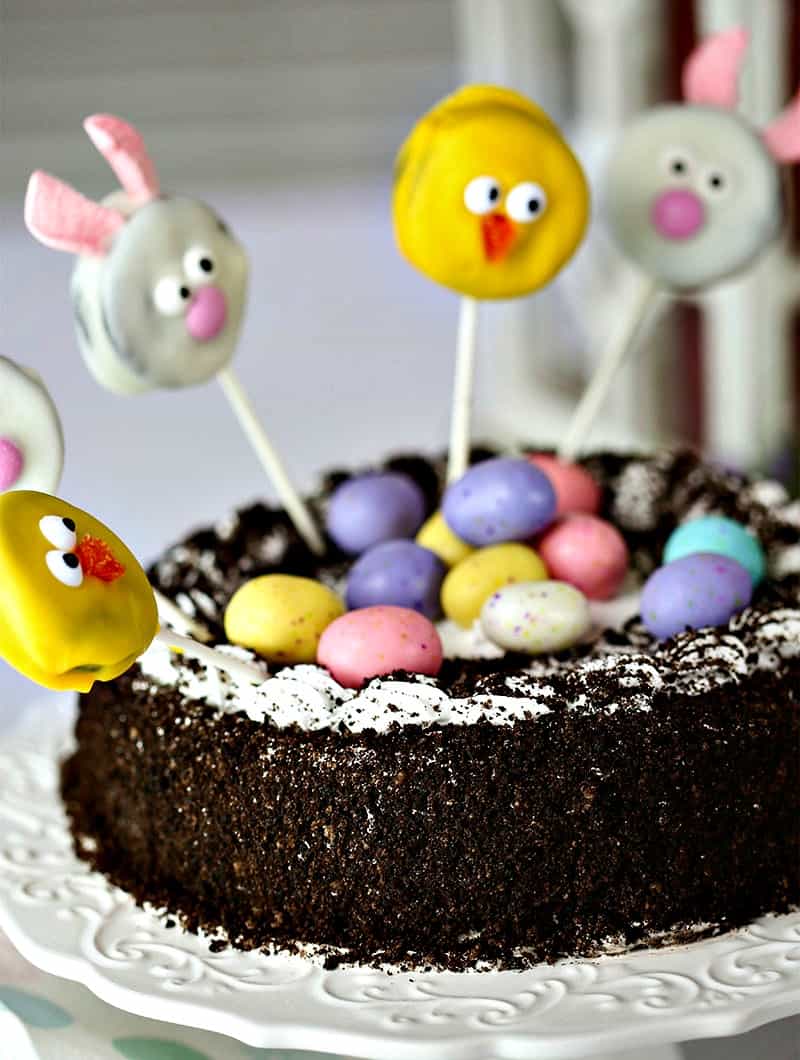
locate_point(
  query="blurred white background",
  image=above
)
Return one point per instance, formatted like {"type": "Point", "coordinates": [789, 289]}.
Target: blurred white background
{"type": "Point", "coordinates": [285, 114]}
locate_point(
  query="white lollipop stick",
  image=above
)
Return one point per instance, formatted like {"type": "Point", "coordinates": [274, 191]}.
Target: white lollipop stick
{"type": "Point", "coordinates": [462, 388]}
{"type": "Point", "coordinates": [270, 461]}
{"type": "Point", "coordinates": [618, 349]}
{"type": "Point", "coordinates": [168, 611]}
{"type": "Point", "coordinates": [238, 669]}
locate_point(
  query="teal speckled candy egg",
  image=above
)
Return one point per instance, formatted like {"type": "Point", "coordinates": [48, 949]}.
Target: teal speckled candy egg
{"type": "Point", "coordinates": [724, 537]}
{"type": "Point", "coordinates": [536, 617]}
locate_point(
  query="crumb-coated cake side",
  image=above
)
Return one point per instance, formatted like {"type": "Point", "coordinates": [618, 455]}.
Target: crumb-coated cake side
{"type": "Point", "coordinates": [511, 810]}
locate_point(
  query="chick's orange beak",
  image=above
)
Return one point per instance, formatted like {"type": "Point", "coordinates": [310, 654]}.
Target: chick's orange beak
{"type": "Point", "coordinates": [97, 560]}
{"type": "Point", "coordinates": [498, 234]}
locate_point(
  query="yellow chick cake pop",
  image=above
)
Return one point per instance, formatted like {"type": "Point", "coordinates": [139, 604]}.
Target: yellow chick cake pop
{"type": "Point", "coordinates": [488, 198]}
{"type": "Point", "coordinates": [75, 605]}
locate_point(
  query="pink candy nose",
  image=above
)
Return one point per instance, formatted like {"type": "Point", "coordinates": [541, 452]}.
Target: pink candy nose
{"type": "Point", "coordinates": [207, 314]}
{"type": "Point", "coordinates": [677, 214]}
{"type": "Point", "coordinates": [11, 463]}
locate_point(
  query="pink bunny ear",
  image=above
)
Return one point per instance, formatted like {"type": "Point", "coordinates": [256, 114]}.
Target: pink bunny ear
{"type": "Point", "coordinates": [62, 218]}
{"type": "Point", "coordinates": [711, 73]}
{"type": "Point", "coordinates": [782, 135]}
{"type": "Point", "coordinates": [123, 148]}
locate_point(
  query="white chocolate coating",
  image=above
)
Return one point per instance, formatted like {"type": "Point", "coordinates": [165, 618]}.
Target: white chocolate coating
{"type": "Point", "coordinates": [29, 419]}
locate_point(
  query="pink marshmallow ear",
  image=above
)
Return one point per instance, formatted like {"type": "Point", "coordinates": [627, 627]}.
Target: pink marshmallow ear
{"type": "Point", "coordinates": [62, 218]}
{"type": "Point", "coordinates": [123, 148]}
{"type": "Point", "coordinates": [711, 73]}
{"type": "Point", "coordinates": [782, 135]}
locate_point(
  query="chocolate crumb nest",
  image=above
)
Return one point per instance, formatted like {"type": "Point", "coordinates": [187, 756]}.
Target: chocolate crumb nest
{"type": "Point", "coordinates": [658, 799]}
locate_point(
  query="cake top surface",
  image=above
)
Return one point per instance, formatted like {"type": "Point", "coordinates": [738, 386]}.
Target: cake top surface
{"type": "Point", "coordinates": [620, 668]}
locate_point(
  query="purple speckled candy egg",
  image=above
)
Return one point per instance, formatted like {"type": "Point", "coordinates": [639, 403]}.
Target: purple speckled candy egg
{"type": "Point", "coordinates": [401, 573]}
{"type": "Point", "coordinates": [369, 509]}
{"type": "Point", "coordinates": [703, 589]}
{"type": "Point", "coordinates": [504, 499]}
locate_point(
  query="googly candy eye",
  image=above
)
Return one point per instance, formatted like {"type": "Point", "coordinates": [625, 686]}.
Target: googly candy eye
{"type": "Point", "coordinates": [170, 296]}
{"type": "Point", "coordinates": [59, 531]}
{"type": "Point", "coordinates": [65, 567]}
{"type": "Point", "coordinates": [482, 194]}
{"type": "Point", "coordinates": [199, 265]}
{"type": "Point", "coordinates": [526, 202]}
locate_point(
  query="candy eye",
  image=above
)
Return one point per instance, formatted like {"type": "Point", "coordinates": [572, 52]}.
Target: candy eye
{"type": "Point", "coordinates": [66, 568]}
{"type": "Point", "coordinates": [199, 265]}
{"type": "Point", "coordinates": [678, 164]}
{"type": "Point", "coordinates": [716, 182]}
{"type": "Point", "coordinates": [170, 296]}
{"type": "Point", "coordinates": [60, 532]}
{"type": "Point", "coordinates": [526, 202]}
{"type": "Point", "coordinates": [481, 195]}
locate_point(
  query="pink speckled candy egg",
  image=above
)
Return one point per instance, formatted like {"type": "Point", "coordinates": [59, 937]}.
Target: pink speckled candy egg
{"type": "Point", "coordinates": [586, 552]}
{"type": "Point", "coordinates": [576, 490]}
{"type": "Point", "coordinates": [375, 641]}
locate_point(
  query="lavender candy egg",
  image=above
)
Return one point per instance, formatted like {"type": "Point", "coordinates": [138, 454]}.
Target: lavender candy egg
{"type": "Point", "coordinates": [504, 499]}
{"type": "Point", "coordinates": [401, 573]}
{"type": "Point", "coordinates": [369, 509]}
{"type": "Point", "coordinates": [703, 589]}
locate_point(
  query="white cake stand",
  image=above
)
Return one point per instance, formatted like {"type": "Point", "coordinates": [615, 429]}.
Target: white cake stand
{"type": "Point", "coordinates": [71, 922]}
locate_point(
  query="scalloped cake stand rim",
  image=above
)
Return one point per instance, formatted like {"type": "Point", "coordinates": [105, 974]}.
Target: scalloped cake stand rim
{"type": "Point", "coordinates": [713, 988]}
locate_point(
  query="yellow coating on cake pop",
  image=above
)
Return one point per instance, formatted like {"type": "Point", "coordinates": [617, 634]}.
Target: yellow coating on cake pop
{"type": "Point", "coordinates": [437, 537]}
{"type": "Point", "coordinates": [483, 131]}
{"type": "Point", "coordinates": [67, 636]}
{"type": "Point", "coordinates": [281, 616]}
{"type": "Point", "coordinates": [468, 586]}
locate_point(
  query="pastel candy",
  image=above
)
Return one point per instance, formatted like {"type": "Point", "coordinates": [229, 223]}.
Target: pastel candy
{"type": "Point", "coordinates": [715, 533]}
{"type": "Point", "coordinates": [703, 589]}
{"type": "Point", "coordinates": [536, 617]}
{"type": "Point", "coordinates": [281, 616]}
{"type": "Point", "coordinates": [469, 584]}
{"type": "Point", "coordinates": [397, 572]}
{"type": "Point", "coordinates": [504, 499]}
{"type": "Point", "coordinates": [576, 490]}
{"type": "Point", "coordinates": [75, 605]}
{"type": "Point", "coordinates": [586, 552]}
{"type": "Point", "coordinates": [369, 509]}
{"type": "Point", "coordinates": [376, 641]}
{"type": "Point", "coordinates": [31, 440]}
{"type": "Point", "coordinates": [437, 536]}
{"type": "Point", "coordinates": [488, 198]}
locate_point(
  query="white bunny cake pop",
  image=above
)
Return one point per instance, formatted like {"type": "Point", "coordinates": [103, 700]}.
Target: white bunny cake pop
{"type": "Point", "coordinates": [160, 284]}
{"type": "Point", "coordinates": [31, 439]}
{"type": "Point", "coordinates": [694, 189]}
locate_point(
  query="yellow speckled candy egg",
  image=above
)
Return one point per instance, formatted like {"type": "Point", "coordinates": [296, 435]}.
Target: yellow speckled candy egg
{"type": "Point", "coordinates": [469, 584]}
{"type": "Point", "coordinates": [281, 616]}
{"type": "Point", "coordinates": [437, 537]}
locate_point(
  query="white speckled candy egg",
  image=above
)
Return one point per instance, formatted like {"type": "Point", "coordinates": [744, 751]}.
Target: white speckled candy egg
{"type": "Point", "coordinates": [536, 617]}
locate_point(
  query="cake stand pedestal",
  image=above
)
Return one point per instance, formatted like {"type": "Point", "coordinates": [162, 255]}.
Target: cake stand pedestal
{"type": "Point", "coordinates": [73, 923]}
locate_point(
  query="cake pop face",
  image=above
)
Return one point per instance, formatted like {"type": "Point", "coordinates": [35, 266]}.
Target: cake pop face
{"type": "Point", "coordinates": [164, 307]}
{"type": "Point", "coordinates": [488, 200]}
{"type": "Point", "coordinates": [160, 285]}
{"type": "Point", "coordinates": [694, 195]}
{"type": "Point", "coordinates": [75, 605]}
{"type": "Point", "coordinates": [31, 440]}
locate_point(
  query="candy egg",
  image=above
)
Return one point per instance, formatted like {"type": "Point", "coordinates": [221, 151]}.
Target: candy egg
{"type": "Point", "coordinates": [704, 589]}
{"type": "Point", "coordinates": [467, 586]}
{"type": "Point", "coordinates": [535, 617]}
{"type": "Point", "coordinates": [576, 490]}
{"type": "Point", "coordinates": [281, 616]}
{"type": "Point", "coordinates": [369, 509]}
{"type": "Point", "coordinates": [504, 499]}
{"type": "Point", "coordinates": [375, 641]}
{"type": "Point", "coordinates": [397, 572]}
{"type": "Point", "coordinates": [715, 533]}
{"type": "Point", "coordinates": [437, 536]}
{"type": "Point", "coordinates": [586, 552]}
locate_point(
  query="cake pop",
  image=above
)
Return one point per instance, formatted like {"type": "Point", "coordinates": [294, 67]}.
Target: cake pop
{"type": "Point", "coordinates": [490, 202]}
{"type": "Point", "coordinates": [31, 439]}
{"type": "Point", "coordinates": [159, 288]}
{"type": "Point", "coordinates": [694, 196]}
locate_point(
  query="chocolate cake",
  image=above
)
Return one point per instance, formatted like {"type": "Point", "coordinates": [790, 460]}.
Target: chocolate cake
{"type": "Point", "coordinates": [512, 810]}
